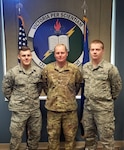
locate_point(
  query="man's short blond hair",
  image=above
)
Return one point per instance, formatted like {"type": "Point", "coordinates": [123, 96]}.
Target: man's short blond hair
{"type": "Point", "coordinates": [60, 44]}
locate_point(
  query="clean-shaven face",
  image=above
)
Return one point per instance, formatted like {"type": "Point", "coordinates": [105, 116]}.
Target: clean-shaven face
{"type": "Point", "coordinates": [60, 54]}
{"type": "Point", "coordinates": [96, 51]}
{"type": "Point", "coordinates": [25, 58]}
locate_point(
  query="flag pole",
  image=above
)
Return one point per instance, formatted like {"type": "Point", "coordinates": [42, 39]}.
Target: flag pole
{"type": "Point", "coordinates": [85, 57]}
{"type": "Point", "coordinates": [85, 19]}
{"type": "Point", "coordinates": [85, 8]}
{"type": "Point", "coordinates": [22, 40]}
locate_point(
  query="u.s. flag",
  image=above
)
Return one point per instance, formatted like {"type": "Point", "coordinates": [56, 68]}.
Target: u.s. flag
{"type": "Point", "coordinates": [22, 37]}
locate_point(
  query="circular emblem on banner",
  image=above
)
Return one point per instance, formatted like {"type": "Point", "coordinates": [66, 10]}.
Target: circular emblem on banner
{"type": "Point", "coordinates": [53, 28]}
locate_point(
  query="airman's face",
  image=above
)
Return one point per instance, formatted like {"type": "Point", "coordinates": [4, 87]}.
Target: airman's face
{"type": "Point", "coordinates": [25, 58]}
{"type": "Point", "coordinates": [96, 51]}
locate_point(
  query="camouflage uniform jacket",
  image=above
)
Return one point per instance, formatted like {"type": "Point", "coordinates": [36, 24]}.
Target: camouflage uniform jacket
{"type": "Point", "coordinates": [22, 88]}
{"type": "Point", "coordinates": [102, 85]}
{"type": "Point", "coordinates": [61, 86]}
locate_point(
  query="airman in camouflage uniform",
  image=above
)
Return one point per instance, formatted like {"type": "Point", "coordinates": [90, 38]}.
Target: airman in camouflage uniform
{"type": "Point", "coordinates": [62, 82]}
{"type": "Point", "coordinates": [102, 87]}
{"type": "Point", "coordinates": [22, 87]}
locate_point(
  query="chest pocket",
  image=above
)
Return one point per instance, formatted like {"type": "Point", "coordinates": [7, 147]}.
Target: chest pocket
{"type": "Point", "coordinates": [101, 76]}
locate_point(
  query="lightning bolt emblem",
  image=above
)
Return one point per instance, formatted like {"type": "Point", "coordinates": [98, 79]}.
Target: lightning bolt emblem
{"type": "Point", "coordinates": [71, 31]}
{"type": "Point", "coordinates": [47, 54]}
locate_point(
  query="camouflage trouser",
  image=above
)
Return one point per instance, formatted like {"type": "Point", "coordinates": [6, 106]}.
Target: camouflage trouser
{"type": "Point", "coordinates": [69, 122]}
{"type": "Point", "coordinates": [17, 127]}
{"type": "Point", "coordinates": [99, 123]}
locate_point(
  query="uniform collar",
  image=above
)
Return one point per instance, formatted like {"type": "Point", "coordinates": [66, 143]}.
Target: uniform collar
{"type": "Point", "coordinates": [100, 65]}
{"type": "Point", "coordinates": [64, 68]}
{"type": "Point", "coordinates": [29, 71]}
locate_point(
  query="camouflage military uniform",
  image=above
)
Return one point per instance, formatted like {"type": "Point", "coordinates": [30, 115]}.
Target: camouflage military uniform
{"type": "Point", "coordinates": [61, 87]}
{"type": "Point", "coordinates": [102, 87]}
{"type": "Point", "coordinates": [22, 89]}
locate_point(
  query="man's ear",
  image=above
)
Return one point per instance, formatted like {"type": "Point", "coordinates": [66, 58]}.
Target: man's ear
{"type": "Point", "coordinates": [18, 57]}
